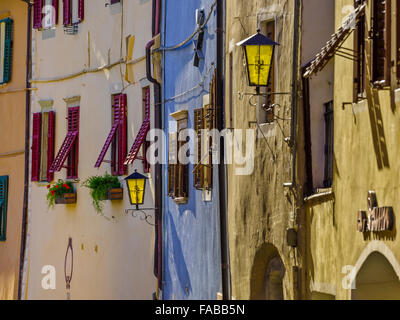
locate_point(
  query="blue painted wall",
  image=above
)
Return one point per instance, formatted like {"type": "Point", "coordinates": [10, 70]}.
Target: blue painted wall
{"type": "Point", "coordinates": [191, 232]}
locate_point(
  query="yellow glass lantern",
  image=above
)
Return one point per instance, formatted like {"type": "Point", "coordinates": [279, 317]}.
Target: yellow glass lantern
{"type": "Point", "coordinates": [259, 52]}
{"type": "Point", "coordinates": [136, 184]}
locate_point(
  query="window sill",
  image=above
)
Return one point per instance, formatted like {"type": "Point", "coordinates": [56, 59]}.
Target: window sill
{"type": "Point", "coordinates": [181, 200]}
{"type": "Point", "coordinates": [321, 195]}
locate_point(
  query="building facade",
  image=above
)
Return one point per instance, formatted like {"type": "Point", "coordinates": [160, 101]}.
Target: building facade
{"type": "Point", "coordinates": [191, 208]}
{"type": "Point", "coordinates": [351, 226]}
{"type": "Point", "coordinates": [91, 104]}
{"type": "Point", "coordinates": [13, 50]}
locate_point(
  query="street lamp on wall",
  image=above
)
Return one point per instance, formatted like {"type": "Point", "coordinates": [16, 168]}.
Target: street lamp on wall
{"type": "Point", "coordinates": [259, 53]}
{"type": "Point", "coordinates": [136, 185]}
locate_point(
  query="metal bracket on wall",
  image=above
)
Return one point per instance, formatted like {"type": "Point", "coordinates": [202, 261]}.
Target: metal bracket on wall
{"type": "Point", "coordinates": [144, 216]}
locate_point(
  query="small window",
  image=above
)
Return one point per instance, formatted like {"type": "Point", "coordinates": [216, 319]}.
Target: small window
{"type": "Point", "coordinates": [178, 173]}
{"type": "Point", "coordinates": [3, 206]}
{"type": "Point", "coordinates": [266, 113]}
{"type": "Point", "coordinates": [70, 146]}
{"type": "Point", "coordinates": [359, 65]}
{"type": "Point", "coordinates": [6, 33]}
{"type": "Point", "coordinates": [73, 12]}
{"type": "Point", "coordinates": [45, 14]}
{"type": "Point", "coordinates": [118, 136]}
{"type": "Point", "coordinates": [328, 170]}
{"type": "Point", "coordinates": [381, 39]}
{"type": "Point", "coordinates": [42, 146]}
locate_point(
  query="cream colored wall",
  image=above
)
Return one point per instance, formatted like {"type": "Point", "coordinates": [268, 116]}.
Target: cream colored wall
{"type": "Point", "coordinates": [366, 148]}
{"type": "Point", "coordinates": [12, 146]}
{"type": "Point", "coordinates": [113, 258]}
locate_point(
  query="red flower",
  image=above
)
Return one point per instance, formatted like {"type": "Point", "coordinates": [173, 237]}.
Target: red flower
{"type": "Point", "coordinates": [53, 192]}
{"type": "Point", "coordinates": [48, 186]}
{"type": "Point", "coordinates": [67, 187]}
{"type": "Point", "coordinates": [57, 187]}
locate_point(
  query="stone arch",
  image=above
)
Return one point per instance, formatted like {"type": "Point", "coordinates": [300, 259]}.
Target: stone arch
{"type": "Point", "coordinates": [267, 274]}
{"type": "Point", "coordinates": [377, 274]}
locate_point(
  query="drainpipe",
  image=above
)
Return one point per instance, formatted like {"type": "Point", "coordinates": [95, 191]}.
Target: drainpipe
{"type": "Point", "coordinates": [158, 170]}
{"type": "Point", "coordinates": [27, 130]}
{"type": "Point", "coordinates": [222, 178]}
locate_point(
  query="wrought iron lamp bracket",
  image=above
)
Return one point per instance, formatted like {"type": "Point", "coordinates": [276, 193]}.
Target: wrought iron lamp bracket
{"type": "Point", "coordinates": [143, 215]}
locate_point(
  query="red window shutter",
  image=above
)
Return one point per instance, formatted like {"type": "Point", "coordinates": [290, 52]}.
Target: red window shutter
{"type": "Point", "coordinates": [81, 10]}
{"type": "Point", "coordinates": [141, 137]}
{"type": "Point", "coordinates": [55, 6]}
{"type": "Point", "coordinates": [67, 14]}
{"type": "Point", "coordinates": [146, 144]}
{"type": "Point", "coordinates": [70, 141]}
{"type": "Point", "coordinates": [50, 145]}
{"type": "Point", "coordinates": [122, 136]}
{"type": "Point", "coordinates": [36, 137]}
{"type": "Point", "coordinates": [73, 156]}
{"type": "Point", "coordinates": [37, 14]}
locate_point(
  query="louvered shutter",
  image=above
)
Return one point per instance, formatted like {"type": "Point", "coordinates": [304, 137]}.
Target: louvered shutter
{"type": "Point", "coordinates": [50, 145]}
{"type": "Point", "coordinates": [7, 50]}
{"type": "Point", "coordinates": [172, 166]}
{"type": "Point", "coordinates": [146, 144]}
{"type": "Point", "coordinates": [73, 126]}
{"type": "Point", "coordinates": [55, 6]}
{"type": "Point", "coordinates": [81, 10]}
{"type": "Point", "coordinates": [67, 12]}
{"type": "Point", "coordinates": [37, 14]}
{"type": "Point", "coordinates": [36, 137]}
{"type": "Point", "coordinates": [3, 206]}
{"type": "Point", "coordinates": [122, 136]}
{"type": "Point", "coordinates": [381, 43]}
{"type": "Point", "coordinates": [198, 174]}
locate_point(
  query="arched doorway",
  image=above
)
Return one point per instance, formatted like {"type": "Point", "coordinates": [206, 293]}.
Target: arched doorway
{"type": "Point", "coordinates": [376, 280]}
{"type": "Point", "coordinates": [267, 276]}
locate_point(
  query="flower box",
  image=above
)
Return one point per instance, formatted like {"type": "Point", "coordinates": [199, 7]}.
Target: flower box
{"type": "Point", "coordinates": [66, 198]}
{"type": "Point", "coordinates": [115, 194]}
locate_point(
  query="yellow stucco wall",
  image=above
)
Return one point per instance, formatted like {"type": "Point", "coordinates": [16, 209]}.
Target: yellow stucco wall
{"type": "Point", "coordinates": [113, 258]}
{"type": "Point", "coordinates": [12, 146]}
{"type": "Point", "coordinates": [366, 146]}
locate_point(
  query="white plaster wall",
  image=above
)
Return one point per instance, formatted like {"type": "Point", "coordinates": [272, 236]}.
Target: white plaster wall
{"type": "Point", "coordinates": [113, 258]}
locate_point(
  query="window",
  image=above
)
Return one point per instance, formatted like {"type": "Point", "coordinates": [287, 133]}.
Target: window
{"type": "Point", "coordinates": [70, 147]}
{"type": "Point", "coordinates": [73, 12]}
{"type": "Point", "coordinates": [42, 146]}
{"type": "Point", "coordinates": [328, 171]}
{"type": "Point", "coordinates": [204, 122]}
{"type": "Point", "coordinates": [45, 14]}
{"type": "Point", "coordinates": [3, 206]}
{"type": "Point", "coordinates": [360, 65]}
{"type": "Point", "coordinates": [115, 1]}
{"type": "Point", "coordinates": [178, 172]}
{"type": "Point", "coordinates": [381, 37]}
{"type": "Point", "coordinates": [6, 26]}
{"type": "Point", "coordinates": [267, 111]}
{"type": "Point", "coordinates": [117, 137]}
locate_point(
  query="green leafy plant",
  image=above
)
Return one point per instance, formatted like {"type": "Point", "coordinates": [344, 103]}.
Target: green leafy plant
{"type": "Point", "coordinates": [99, 186]}
{"type": "Point", "coordinates": [57, 189]}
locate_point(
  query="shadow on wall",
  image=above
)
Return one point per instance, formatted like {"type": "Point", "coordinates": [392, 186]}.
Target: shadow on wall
{"type": "Point", "coordinates": [267, 274]}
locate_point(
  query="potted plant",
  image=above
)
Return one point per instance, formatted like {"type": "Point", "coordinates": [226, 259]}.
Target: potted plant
{"type": "Point", "coordinates": [102, 188]}
{"type": "Point", "coordinates": [61, 192]}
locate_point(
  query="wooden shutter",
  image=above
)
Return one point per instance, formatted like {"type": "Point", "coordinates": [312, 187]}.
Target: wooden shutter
{"type": "Point", "coordinates": [55, 6]}
{"type": "Point", "coordinates": [359, 66]}
{"type": "Point", "coordinates": [146, 115]}
{"type": "Point", "coordinates": [122, 136]}
{"type": "Point", "coordinates": [37, 14]}
{"type": "Point", "coordinates": [7, 50]}
{"type": "Point", "coordinates": [50, 144]}
{"type": "Point", "coordinates": [381, 42]}
{"type": "Point", "coordinates": [3, 206]}
{"type": "Point", "coordinates": [36, 137]}
{"type": "Point", "coordinates": [172, 165]}
{"type": "Point", "coordinates": [67, 12]}
{"type": "Point", "coordinates": [81, 10]}
{"type": "Point", "coordinates": [73, 157]}
{"type": "Point", "coordinates": [198, 174]}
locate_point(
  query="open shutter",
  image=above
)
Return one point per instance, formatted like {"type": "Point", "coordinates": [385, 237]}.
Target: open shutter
{"type": "Point", "coordinates": [37, 14]}
{"type": "Point", "coordinates": [111, 135]}
{"type": "Point", "coordinates": [172, 164]}
{"type": "Point", "coordinates": [73, 126]}
{"type": "Point", "coordinates": [3, 206]}
{"type": "Point", "coordinates": [122, 136]}
{"type": "Point", "coordinates": [81, 10]}
{"type": "Point", "coordinates": [146, 144]}
{"type": "Point", "coordinates": [50, 145]}
{"type": "Point", "coordinates": [68, 143]}
{"type": "Point", "coordinates": [7, 51]}
{"type": "Point", "coordinates": [67, 13]}
{"type": "Point", "coordinates": [198, 174]}
{"type": "Point", "coordinates": [36, 137]}
{"type": "Point", "coordinates": [55, 6]}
